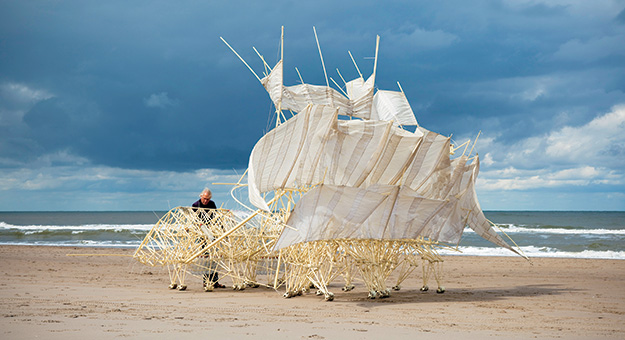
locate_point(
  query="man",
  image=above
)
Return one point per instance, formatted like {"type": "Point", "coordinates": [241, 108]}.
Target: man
{"type": "Point", "coordinates": [205, 202]}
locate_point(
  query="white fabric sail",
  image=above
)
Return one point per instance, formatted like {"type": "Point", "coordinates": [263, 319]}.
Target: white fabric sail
{"type": "Point", "coordinates": [373, 179]}
{"type": "Point", "coordinates": [297, 97]}
{"type": "Point", "coordinates": [432, 154]}
{"type": "Point", "coordinates": [376, 180]}
{"type": "Point", "coordinates": [476, 219]}
{"type": "Point", "coordinates": [314, 147]}
{"type": "Point", "coordinates": [288, 154]}
{"type": "Point", "coordinates": [273, 83]}
{"type": "Point", "coordinates": [378, 212]}
{"type": "Point", "coordinates": [360, 93]}
{"type": "Point", "coordinates": [392, 106]}
{"type": "Point", "coordinates": [390, 212]}
{"type": "Point", "coordinates": [360, 101]}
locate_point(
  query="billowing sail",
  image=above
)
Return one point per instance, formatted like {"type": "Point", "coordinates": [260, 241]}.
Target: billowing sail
{"type": "Point", "coordinates": [476, 219]}
{"type": "Point", "coordinates": [296, 98]}
{"type": "Point", "coordinates": [360, 93]}
{"type": "Point", "coordinates": [289, 153]}
{"type": "Point", "coordinates": [391, 212]}
{"type": "Point", "coordinates": [360, 101]}
{"type": "Point", "coordinates": [378, 212]}
{"type": "Point", "coordinates": [388, 212]}
{"type": "Point", "coordinates": [392, 106]}
{"type": "Point", "coordinates": [370, 177]}
{"type": "Point", "coordinates": [314, 147]}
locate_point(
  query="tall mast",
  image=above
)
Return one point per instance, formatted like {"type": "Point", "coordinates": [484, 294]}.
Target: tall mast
{"type": "Point", "coordinates": [282, 44]}
{"type": "Point", "coordinates": [321, 56]}
{"type": "Point", "coordinates": [279, 106]}
{"type": "Point", "coordinates": [375, 62]}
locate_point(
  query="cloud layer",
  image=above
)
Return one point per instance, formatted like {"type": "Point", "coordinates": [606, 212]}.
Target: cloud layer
{"type": "Point", "coordinates": [96, 95]}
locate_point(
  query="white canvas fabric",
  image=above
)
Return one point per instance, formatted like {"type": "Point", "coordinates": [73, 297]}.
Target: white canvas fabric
{"type": "Point", "coordinates": [287, 154]}
{"type": "Point", "coordinates": [314, 147]}
{"type": "Point", "coordinates": [352, 151]}
{"type": "Point", "coordinates": [360, 94]}
{"type": "Point", "coordinates": [432, 155]}
{"type": "Point", "coordinates": [359, 102]}
{"type": "Point", "coordinates": [378, 212]}
{"type": "Point", "coordinates": [387, 212]}
{"type": "Point", "coordinates": [476, 219]}
{"type": "Point", "coordinates": [374, 180]}
{"type": "Point", "coordinates": [392, 106]}
{"type": "Point", "coordinates": [297, 97]}
{"type": "Point", "coordinates": [273, 83]}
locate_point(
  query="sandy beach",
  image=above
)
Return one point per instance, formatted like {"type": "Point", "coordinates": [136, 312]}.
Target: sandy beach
{"type": "Point", "coordinates": [48, 294]}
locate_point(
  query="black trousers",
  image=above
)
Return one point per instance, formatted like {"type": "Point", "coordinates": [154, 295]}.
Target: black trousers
{"type": "Point", "coordinates": [211, 277]}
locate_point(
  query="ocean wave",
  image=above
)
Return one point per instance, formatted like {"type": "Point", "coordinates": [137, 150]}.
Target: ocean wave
{"type": "Point", "coordinates": [72, 236]}
{"type": "Point", "coordinates": [513, 229]}
{"type": "Point", "coordinates": [101, 233]}
{"type": "Point", "coordinates": [84, 227]}
{"type": "Point", "coordinates": [75, 243]}
{"type": "Point", "coordinates": [532, 251]}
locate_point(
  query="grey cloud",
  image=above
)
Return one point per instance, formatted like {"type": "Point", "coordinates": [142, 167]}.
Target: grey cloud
{"type": "Point", "coordinates": [160, 100]}
{"type": "Point", "coordinates": [414, 39]}
{"type": "Point", "coordinates": [592, 50]}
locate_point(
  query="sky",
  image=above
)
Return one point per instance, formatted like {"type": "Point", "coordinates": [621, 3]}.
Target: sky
{"type": "Point", "coordinates": [138, 105]}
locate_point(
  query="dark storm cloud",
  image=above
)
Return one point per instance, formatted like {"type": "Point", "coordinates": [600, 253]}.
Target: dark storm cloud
{"type": "Point", "coordinates": [102, 64]}
{"type": "Point", "coordinates": [102, 60]}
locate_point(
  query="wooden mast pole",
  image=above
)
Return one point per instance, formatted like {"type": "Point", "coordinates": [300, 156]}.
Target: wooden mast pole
{"type": "Point", "coordinates": [235, 52]}
{"type": "Point", "coordinates": [321, 56]}
{"type": "Point", "coordinates": [263, 59]}
{"type": "Point", "coordinates": [299, 75]}
{"type": "Point", "coordinates": [375, 62]}
{"type": "Point", "coordinates": [279, 106]}
{"type": "Point", "coordinates": [354, 61]}
{"type": "Point", "coordinates": [340, 75]}
{"type": "Point", "coordinates": [474, 142]}
{"type": "Point", "coordinates": [338, 86]}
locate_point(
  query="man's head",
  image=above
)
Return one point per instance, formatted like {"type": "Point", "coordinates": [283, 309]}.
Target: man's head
{"type": "Point", "coordinates": [206, 196]}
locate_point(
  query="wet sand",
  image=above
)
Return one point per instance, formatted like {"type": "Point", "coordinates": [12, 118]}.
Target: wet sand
{"type": "Point", "coordinates": [47, 294]}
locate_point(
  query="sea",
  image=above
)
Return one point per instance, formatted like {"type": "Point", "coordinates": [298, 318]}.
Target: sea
{"type": "Point", "coordinates": [566, 234]}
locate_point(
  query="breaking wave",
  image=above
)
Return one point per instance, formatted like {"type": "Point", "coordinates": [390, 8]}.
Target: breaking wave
{"type": "Point", "coordinates": [537, 252]}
